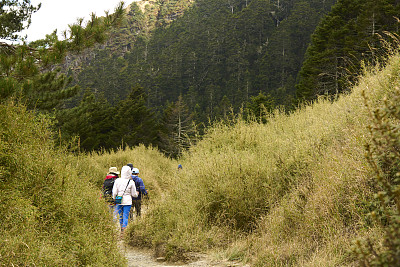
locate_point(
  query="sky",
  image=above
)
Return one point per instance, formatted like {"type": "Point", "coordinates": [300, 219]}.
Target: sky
{"type": "Point", "coordinates": [57, 14]}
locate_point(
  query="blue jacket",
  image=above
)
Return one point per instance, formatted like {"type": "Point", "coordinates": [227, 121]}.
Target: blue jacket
{"type": "Point", "coordinates": [139, 187]}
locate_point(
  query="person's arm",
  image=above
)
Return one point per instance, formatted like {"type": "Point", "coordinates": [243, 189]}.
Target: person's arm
{"type": "Point", "coordinates": [134, 193]}
{"type": "Point", "coordinates": [142, 188]}
{"type": "Point", "coordinates": [115, 189]}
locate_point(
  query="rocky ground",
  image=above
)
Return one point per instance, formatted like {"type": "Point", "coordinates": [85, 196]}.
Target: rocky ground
{"type": "Point", "coordinates": [144, 258]}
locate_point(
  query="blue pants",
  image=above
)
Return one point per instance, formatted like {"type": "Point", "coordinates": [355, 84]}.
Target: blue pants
{"type": "Point", "coordinates": [123, 211]}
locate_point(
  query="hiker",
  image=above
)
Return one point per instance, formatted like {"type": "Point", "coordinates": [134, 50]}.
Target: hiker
{"type": "Point", "coordinates": [124, 187]}
{"type": "Point", "coordinates": [108, 184]}
{"type": "Point", "coordinates": [179, 167]}
{"type": "Point", "coordinates": [137, 201]}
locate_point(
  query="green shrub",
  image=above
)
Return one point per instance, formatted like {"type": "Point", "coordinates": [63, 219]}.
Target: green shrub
{"type": "Point", "coordinates": [383, 153]}
{"type": "Point", "coordinates": [50, 214]}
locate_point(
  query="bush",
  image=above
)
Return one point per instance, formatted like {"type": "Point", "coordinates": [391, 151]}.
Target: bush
{"type": "Point", "coordinates": [50, 214]}
{"type": "Point", "coordinates": [383, 154]}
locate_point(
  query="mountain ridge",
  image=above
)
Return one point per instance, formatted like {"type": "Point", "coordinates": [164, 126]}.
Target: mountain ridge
{"type": "Point", "coordinates": [115, 44]}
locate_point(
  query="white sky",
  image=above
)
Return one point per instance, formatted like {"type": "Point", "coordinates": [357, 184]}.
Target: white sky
{"type": "Point", "coordinates": [57, 14]}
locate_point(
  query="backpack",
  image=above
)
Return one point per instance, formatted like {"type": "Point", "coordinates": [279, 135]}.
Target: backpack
{"type": "Point", "coordinates": [107, 188]}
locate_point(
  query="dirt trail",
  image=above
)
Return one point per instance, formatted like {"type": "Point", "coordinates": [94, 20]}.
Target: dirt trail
{"type": "Point", "coordinates": [144, 258]}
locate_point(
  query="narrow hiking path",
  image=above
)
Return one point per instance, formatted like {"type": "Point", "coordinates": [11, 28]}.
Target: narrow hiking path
{"type": "Point", "coordinates": [144, 258]}
{"type": "Point", "coordinates": [138, 257]}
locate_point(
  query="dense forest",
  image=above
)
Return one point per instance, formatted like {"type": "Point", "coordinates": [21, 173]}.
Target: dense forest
{"type": "Point", "coordinates": [185, 64]}
{"type": "Point", "coordinates": [172, 68]}
{"type": "Point", "coordinates": [354, 33]}
{"type": "Point", "coordinates": [193, 62]}
{"type": "Point", "coordinates": [217, 48]}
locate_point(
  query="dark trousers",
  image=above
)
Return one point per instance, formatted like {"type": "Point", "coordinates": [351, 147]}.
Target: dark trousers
{"type": "Point", "coordinates": [137, 205]}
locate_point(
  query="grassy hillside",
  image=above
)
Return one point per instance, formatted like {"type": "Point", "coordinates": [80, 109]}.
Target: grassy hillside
{"type": "Point", "coordinates": [50, 212]}
{"type": "Point", "coordinates": [295, 191]}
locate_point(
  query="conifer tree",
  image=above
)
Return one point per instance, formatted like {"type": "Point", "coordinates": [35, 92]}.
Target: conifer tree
{"type": "Point", "coordinates": [27, 69]}
{"type": "Point", "coordinates": [136, 123]}
{"type": "Point", "coordinates": [224, 107]}
{"type": "Point", "coordinates": [178, 131]}
{"type": "Point", "coordinates": [15, 16]}
{"type": "Point", "coordinates": [91, 124]}
{"type": "Point", "coordinates": [260, 105]}
{"type": "Point", "coordinates": [349, 34]}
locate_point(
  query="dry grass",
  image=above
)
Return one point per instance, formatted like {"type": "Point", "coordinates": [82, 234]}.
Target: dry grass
{"type": "Point", "coordinates": [295, 191]}
{"type": "Point", "coordinates": [51, 215]}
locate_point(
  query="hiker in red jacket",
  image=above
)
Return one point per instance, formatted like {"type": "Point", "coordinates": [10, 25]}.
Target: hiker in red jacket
{"type": "Point", "coordinates": [108, 184]}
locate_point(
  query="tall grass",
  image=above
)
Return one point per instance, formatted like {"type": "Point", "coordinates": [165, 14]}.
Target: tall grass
{"type": "Point", "coordinates": [51, 214]}
{"type": "Point", "coordinates": [292, 192]}
{"type": "Point", "coordinates": [155, 169]}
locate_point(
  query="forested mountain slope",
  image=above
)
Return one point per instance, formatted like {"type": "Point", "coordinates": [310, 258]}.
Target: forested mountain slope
{"type": "Point", "coordinates": [185, 63]}
{"type": "Point", "coordinates": [142, 18]}
{"type": "Point", "coordinates": [179, 65]}
{"type": "Point", "coordinates": [216, 54]}
{"type": "Point", "coordinates": [354, 32]}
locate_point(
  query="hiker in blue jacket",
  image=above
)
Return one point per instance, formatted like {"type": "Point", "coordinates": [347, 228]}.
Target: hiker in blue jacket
{"type": "Point", "coordinates": [137, 201]}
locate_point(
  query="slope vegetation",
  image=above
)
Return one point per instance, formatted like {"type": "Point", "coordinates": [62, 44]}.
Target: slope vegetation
{"type": "Point", "coordinates": [295, 191]}
{"type": "Point", "coordinates": [51, 213]}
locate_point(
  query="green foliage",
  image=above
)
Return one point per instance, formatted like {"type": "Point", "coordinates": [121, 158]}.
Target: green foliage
{"type": "Point", "coordinates": [51, 214]}
{"type": "Point", "coordinates": [26, 69]}
{"type": "Point", "coordinates": [46, 91]}
{"type": "Point", "coordinates": [98, 125]}
{"type": "Point", "coordinates": [210, 53]}
{"type": "Point", "coordinates": [348, 35]}
{"type": "Point", "coordinates": [260, 106]}
{"type": "Point", "coordinates": [92, 122]}
{"type": "Point", "coordinates": [14, 17]}
{"type": "Point", "coordinates": [178, 129]}
{"type": "Point", "coordinates": [384, 157]}
{"type": "Point", "coordinates": [136, 122]}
